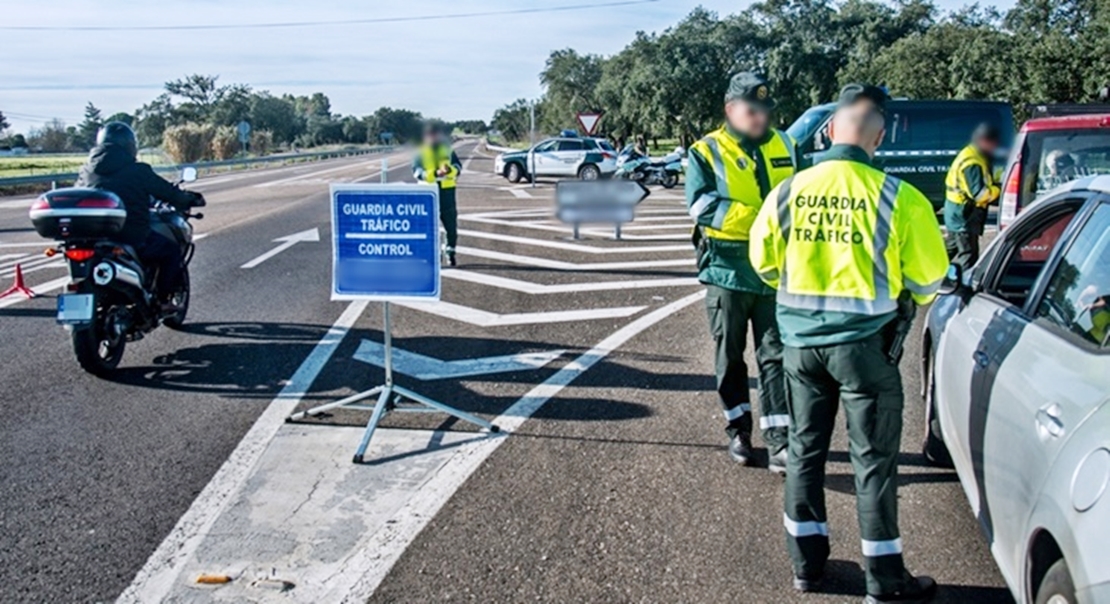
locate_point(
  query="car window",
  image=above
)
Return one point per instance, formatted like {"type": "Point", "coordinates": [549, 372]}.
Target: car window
{"type": "Point", "coordinates": [545, 147]}
{"type": "Point", "coordinates": [1055, 157]}
{"type": "Point", "coordinates": [606, 145]}
{"type": "Point", "coordinates": [1028, 255]}
{"type": "Point", "coordinates": [804, 128]}
{"type": "Point", "coordinates": [1078, 296]}
{"type": "Point", "coordinates": [570, 146]}
{"type": "Point", "coordinates": [936, 128]}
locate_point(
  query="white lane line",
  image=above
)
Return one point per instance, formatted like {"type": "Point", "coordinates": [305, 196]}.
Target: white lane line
{"type": "Point", "coordinates": [41, 289]}
{"type": "Point", "coordinates": [286, 242]}
{"type": "Point", "coordinates": [156, 577]}
{"type": "Point", "coordinates": [518, 193]}
{"type": "Point", "coordinates": [575, 247]}
{"type": "Point", "coordinates": [12, 256]}
{"type": "Point", "coordinates": [365, 571]}
{"type": "Point", "coordinates": [482, 318]}
{"type": "Point", "coordinates": [319, 173]}
{"type": "Point", "coordinates": [527, 287]}
{"type": "Point", "coordinates": [39, 266]}
{"type": "Point", "coordinates": [560, 265]}
{"type": "Point", "coordinates": [31, 244]}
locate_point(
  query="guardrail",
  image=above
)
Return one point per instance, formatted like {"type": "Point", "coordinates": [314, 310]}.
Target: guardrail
{"type": "Point", "coordinates": [209, 166]}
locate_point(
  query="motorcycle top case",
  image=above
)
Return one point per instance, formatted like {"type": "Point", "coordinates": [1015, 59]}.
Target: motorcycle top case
{"type": "Point", "coordinates": [78, 213]}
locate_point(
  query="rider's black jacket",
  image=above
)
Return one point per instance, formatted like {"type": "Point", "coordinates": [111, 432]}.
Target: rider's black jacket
{"type": "Point", "coordinates": [112, 168]}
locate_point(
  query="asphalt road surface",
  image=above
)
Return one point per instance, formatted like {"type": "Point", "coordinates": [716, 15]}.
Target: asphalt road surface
{"type": "Point", "coordinates": [618, 489]}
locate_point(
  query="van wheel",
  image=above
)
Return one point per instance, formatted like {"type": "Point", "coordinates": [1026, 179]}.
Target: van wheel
{"type": "Point", "coordinates": [935, 451]}
{"type": "Point", "coordinates": [589, 172]}
{"type": "Point", "coordinates": [1057, 586]}
{"type": "Point", "coordinates": [514, 173]}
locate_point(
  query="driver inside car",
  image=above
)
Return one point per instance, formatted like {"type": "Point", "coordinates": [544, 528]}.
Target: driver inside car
{"type": "Point", "coordinates": [113, 166]}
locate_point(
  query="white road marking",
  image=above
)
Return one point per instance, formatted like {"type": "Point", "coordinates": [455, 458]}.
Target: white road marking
{"type": "Point", "coordinates": [483, 318]}
{"type": "Point", "coordinates": [12, 256]}
{"type": "Point", "coordinates": [518, 193]}
{"type": "Point", "coordinates": [41, 289]}
{"type": "Point", "coordinates": [155, 579]}
{"type": "Point", "coordinates": [319, 173]}
{"type": "Point", "coordinates": [574, 247]}
{"type": "Point", "coordinates": [560, 265]}
{"type": "Point", "coordinates": [287, 242]}
{"type": "Point", "coordinates": [32, 267]}
{"type": "Point", "coordinates": [428, 368]}
{"type": "Point", "coordinates": [31, 244]}
{"type": "Point", "coordinates": [366, 570]}
{"type": "Point", "coordinates": [527, 287]}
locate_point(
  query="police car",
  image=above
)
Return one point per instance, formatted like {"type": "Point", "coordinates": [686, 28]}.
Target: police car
{"type": "Point", "coordinates": [1016, 362]}
{"type": "Point", "coordinates": [565, 156]}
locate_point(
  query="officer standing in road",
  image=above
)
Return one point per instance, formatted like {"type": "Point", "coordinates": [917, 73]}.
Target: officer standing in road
{"type": "Point", "coordinates": [970, 188]}
{"type": "Point", "coordinates": [851, 250]}
{"type": "Point", "coordinates": [437, 163]}
{"type": "Point", "coordinates": [730, 171]}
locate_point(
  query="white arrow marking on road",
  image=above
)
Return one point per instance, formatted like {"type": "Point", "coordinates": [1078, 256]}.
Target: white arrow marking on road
{"type": "Point", "coordinates": [528, 287]}
{"type": "Point", "coordinates": [286, 242]}
{"type": "Point", "coordinates": [483, 318]}
{"type": "Point", "coordinates": [428, 368]}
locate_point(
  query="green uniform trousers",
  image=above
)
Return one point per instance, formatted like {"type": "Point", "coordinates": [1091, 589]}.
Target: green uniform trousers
{"type": "Point", "coordinates": [818, 379]}
{"type": "Point", "coordinates": [730, 312]}
{"type": "Point", "coordinates": [449, 216]}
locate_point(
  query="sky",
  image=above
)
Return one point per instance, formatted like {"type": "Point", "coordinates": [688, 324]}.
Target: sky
{"type": "Point", "coordinates": [454, 69]}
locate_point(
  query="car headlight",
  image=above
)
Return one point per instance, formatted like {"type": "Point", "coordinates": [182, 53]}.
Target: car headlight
{"type": "Point", "coordinates": [1090, 480]}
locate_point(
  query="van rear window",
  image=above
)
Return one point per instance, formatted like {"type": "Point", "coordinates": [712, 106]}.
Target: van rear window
{"type": "Point", "coordinates": [935, 129]}
{"type": "Point", "coordinates": [1055, 157]}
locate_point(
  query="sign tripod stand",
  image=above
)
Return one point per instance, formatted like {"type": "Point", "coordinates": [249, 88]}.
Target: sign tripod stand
{"type": "Point", "coordinates": [391, 397]}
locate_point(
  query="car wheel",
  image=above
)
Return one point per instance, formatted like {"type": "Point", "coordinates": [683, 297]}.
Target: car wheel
{"type": "Point", "coordinates": [589, 172]}
{"type": "Point", "coordinates": [514, 173]}
{"type": "Point", "coordinates": [934, 449]}
{"type": "Point", "coordinates": [1057, 587]}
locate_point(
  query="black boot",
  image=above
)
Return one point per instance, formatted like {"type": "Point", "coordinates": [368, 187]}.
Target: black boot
{"type": "Point", "coordinates": [740, 448]}
{"type": "Point", "coordinates": [915, 590]}
{"type": "Point", "coordinates": [451, 259]}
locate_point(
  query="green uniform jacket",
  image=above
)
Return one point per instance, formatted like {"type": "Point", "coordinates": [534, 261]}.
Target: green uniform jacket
{"type": "Point", "coordinates": [726, 264]}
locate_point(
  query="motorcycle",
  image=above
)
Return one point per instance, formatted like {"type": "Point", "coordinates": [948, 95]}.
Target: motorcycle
{"type": "Point", "coordinates": [110, 299]}
{"type": "Point", "coordinates": [632, 165]}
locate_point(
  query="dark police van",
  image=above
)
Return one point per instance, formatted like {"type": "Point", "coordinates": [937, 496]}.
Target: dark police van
{"type": "Point", "coordinates": [922, 138]}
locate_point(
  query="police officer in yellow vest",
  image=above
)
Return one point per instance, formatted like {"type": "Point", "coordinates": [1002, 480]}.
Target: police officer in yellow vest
{"type": "Point", "coordinates": [730, 171]}
{"type": "Point", "coordinates": [849, 248]}
{"type": "Point", "coordinates": [969, 189]}
{"type": "Point", "coordinates": [437, 163]}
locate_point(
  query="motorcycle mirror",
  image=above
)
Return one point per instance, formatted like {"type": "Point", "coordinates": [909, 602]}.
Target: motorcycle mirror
{"type": "Point", "coordinates": [188, 174]}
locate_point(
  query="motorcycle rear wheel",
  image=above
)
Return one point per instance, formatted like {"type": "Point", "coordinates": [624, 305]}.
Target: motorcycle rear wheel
{"type": "Point", "coordinates": [97, 352]}
{"type": "Point", "coordinates": [181, 300]}
{"type": "Point", "coordinates": [670, 180]}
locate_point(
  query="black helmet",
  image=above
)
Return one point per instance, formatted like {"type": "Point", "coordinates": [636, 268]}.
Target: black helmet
{"type": "Point", "coordinates": [118, 133]}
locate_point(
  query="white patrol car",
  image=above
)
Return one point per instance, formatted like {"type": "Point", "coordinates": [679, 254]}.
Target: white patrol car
{"type": "Point", "coordinates": [585, 158]}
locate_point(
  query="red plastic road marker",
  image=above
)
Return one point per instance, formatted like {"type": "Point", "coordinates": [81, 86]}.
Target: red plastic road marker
{"type": "Point", "coordinates": [18, 286]}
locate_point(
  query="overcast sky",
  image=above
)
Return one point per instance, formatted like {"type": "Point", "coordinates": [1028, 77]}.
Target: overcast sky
{"type": "Point", "coordinates": [454, 69]}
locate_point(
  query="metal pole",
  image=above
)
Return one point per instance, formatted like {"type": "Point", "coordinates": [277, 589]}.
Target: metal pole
{"type": "Point", "coordinates": [532, 142]}
{"type": "Point", "coordinates": [385, 170]}
{"type": "Point", "coordinates": [617, 230]}
{"type": "Point", "coordinates": [388, 337]}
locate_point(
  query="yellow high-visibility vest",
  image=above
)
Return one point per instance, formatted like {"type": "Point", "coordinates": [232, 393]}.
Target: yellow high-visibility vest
{"type": "Point", "coordinates": [435, 157]}
{"type": "Point", "coordinates": [956, 186]}
{"type": "Point", "coordinates": [738, 193]}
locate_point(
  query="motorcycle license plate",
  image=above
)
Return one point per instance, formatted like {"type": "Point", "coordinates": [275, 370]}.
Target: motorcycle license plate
{"type": "Point", "coordinates": [75, 309]}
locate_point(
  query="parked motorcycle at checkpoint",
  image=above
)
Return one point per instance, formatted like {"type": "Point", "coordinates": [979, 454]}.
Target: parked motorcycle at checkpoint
{"type": "Point", "coordinates": [632, 165]}
{"type": "Point", "coordinates": [110, 299]}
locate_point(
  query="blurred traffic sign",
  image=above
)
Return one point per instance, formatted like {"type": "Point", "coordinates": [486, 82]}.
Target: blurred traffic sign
{"type": "Point", "coordinates": [385, 242]}
{"type": "Point", "coordinates": [244, 128]}
{"type": "Point", "coordinates": [602, 201]}
{"type": "Point", "coordinates": [589, 121]}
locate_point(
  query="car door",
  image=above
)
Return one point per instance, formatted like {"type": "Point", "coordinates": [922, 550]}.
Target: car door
{"type": "Point", "coordinates": [1056, 373]}
{"type": "Point", "coordinates": [569, 155]}
{"type": "Point", "coordinates": [543, 159]}
{"type": "Point", "coordinates": [980, 334]}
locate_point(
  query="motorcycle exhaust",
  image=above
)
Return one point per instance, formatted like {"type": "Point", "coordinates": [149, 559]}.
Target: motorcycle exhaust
{"type": "Point", "coordinates": [110, 273]}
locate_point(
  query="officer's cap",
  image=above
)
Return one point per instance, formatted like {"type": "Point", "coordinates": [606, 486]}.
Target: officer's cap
{"type": "Point", "coordinates": [751, 88]}
{"type": "Point", "coordinates": [854, 93]}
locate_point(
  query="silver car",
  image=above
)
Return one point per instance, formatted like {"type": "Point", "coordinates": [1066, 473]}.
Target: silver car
{"type": "Point", "coordinates": [1016, 361]}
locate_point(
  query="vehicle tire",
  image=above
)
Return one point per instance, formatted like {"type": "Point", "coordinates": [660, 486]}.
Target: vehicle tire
{"type": "Point", "coordinates": [935, 451]}
{"type": "Point", "coordinates": [670, 180]}
{"type": "Point", "coordinates": [589, 172]}
{"type": "Point", "coordinates": [181, 298]}
{"type": "Point", "coordinates": [514, 173]}
{"type": "Point", "coordinates": [98, 353]}
{"type": "Point", "coordinates": [1057, 586]}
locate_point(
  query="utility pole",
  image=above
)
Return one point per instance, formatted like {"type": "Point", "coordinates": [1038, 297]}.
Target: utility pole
{"type": "Point", "coordinates": [532, 142]}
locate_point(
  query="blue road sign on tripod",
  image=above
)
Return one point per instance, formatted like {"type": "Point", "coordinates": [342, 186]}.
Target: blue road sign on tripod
{"type": "Point", "coordinates": [385, 242]}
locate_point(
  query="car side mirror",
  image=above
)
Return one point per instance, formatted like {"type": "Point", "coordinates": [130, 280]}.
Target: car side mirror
{"type": "Point", "coordinates": [188, 174]}
{"type": "Point", "coordinates": [953, 281]}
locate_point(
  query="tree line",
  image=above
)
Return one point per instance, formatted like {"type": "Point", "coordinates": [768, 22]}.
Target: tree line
{"type": "Point", "coordinates": [195, 118]}
{"type": "Point", "coordinates": [671, 84]}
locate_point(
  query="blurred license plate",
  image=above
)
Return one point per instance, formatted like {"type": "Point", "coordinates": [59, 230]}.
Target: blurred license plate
{"type": "Point", "coordinates": [75, 309]}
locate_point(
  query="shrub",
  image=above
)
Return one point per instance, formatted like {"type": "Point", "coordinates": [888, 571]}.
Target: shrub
{"type": "Point", "coordinates": [189, 142]}
{"type": "Point", "coordinates": [262, 142]}
{"type": "Point", "coordinates": [225, 142]}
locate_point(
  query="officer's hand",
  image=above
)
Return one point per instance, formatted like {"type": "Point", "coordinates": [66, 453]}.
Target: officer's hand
{"type": "Point", "coordinates": [198, 200]}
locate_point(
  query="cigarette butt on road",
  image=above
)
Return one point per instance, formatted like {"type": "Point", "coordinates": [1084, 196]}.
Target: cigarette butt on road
{"type": "Point", "coordinates": [207, 579]}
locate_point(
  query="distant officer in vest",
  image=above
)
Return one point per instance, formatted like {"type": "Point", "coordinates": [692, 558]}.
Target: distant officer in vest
{"type": "Point", "coordinates": [730, 171]}
{"type": "Point", "coordinates": [970, 189]}
{"type": "Point", "coordinates": [849, 248]}
{"type": "Point", "coordinates": [437, 163]}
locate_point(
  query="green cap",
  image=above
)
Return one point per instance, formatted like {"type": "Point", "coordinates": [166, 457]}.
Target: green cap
{"type": "Point", "coordinates": [751, 88]}
{"type": "Point", "coordinates": [853, 93]}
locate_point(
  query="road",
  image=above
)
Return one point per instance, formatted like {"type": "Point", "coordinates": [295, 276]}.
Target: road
{"type": "Point", "coordinates": [614, 486]}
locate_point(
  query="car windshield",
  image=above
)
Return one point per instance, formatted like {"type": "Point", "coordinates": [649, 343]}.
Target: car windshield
{"type": "Point", "coordinates": [1055, 157]}
{"type": "Point", "coordinates": [606, 145]}
{"type": "Point", "coordinates": [807, 124]}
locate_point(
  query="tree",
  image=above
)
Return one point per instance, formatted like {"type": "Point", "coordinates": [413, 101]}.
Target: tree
{"type": "Point", "coordinates": [514, 120]}
{"type": "Point", "coordinates": [570, 81]}
{"type": "Point", "coordinates": [152, 119]}
{"type": "Point", "coordinates": [4, 124]}
{"type": "Point", "coordinates": [405, 125]}
{"type": "Point", "coordinates": [200, 95]}
{"type": "Point", "coordinates": [276, 115]}
{"type": "Point", "coordinates": [51, 138]}
{"type": "Point", "coordinates": [87, 129]}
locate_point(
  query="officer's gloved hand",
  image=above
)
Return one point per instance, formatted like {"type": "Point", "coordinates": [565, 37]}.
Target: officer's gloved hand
{"type": "Point", "coordinates": [198, 200]}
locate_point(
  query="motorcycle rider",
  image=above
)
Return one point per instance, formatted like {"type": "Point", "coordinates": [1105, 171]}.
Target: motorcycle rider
{"type": "Point", "coordinates": [113, 166]}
